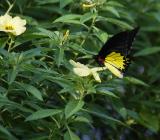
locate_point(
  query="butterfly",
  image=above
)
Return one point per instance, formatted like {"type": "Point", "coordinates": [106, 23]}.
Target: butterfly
{"type": "Point", "coordinates": [115, 54]}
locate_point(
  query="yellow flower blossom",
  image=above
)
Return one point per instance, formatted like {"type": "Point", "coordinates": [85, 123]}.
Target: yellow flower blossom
{"type": "Point", "coordinates": [88, 5]}
{"type": "Point", "coordinates": [65, 37]}
{"type": "Point", "coordinates": [13, 25]}
{"type": "Point", "coordinates": [83, 70]}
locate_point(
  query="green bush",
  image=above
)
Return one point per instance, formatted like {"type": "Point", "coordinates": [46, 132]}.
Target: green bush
{"type": "Point", "coordinates": [40, 96]}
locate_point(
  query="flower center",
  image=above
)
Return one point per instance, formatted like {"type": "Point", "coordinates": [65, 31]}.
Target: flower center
{"type": "Point", "coordinates": [9, 27]}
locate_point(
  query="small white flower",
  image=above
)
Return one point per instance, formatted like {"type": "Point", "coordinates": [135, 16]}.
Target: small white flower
{"type": "Point", "coordinates": [13, 25]}
{"type": "Point", "coordinates": [83, 70]}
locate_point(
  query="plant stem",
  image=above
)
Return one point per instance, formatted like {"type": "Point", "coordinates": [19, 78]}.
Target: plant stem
{"type": "Point", "coordinates": [58, 125]}
{"type": "Point", "coordinates": [10, 43]}
{"type": "Point", "coordinates": [10, 6]}
{"type": "Point", "coordinates": [90, 29]}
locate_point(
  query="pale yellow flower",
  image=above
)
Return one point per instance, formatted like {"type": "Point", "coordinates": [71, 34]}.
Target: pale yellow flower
{"type": "Point", "coordinates": [83, 70]}
{"type": "Point", "coordinates": [88, 5]}
{"type": "Point", "coordinates": [13, 25]}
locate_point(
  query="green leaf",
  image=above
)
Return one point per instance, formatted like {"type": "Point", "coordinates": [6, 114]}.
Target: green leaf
{"type": "Point", "coordinates": [150, 121]}
{"type": "Point", "coordinates": [4, 101]}
{"type": "Point", "coordinates": [123, 112]}
{"type": "Point", "coordinates": [103, 36]}
{"type": "Point", "coordinates": [2, 89]}
{"type": "Point", "coordinates": [117, 22]}
{"type": "Point", "coordinates": [12, 75]}
{"type": "Point", "coordinates": [47, 2]}
{"type": "Point", "coordinates": [33, 90]}
{"type": "Point", "coordinates": [104, 116]}
{"type": "Point", "coordinates": [32, 53]}
{"type": "Point", "coordinates": [46, 32]}
{"type": "Point", "coordinates": [82, 119]}
{"type": "Point", "coordinates": [69, 135]}
{"type": "Point", "coordinates": [4, 53]}
{"type": "Point", "coordinates": [39, 137]}
{"type": "Point", "coordinates": [68, 18]}
{"type": "Point", "coordinates": [87, 16]}
{"type": "Point", "coordinates": [136, 81]}
{"type": "Point", "coordinates": [106, 92]}
{"type": "Point", "coordinates": [71, 19]}
{"type": "Point", "coordinates": [112, 10]}
{"type": "Point", "coordinates": [6, 132]}
{"type": "Point", "coordinates": [72, 107]}
{"type": "Point", "coordinates": [43, 113]}
{"type": "Point", "coordinates": [148, 51]}
{"type": "Point", "coordinates": [3, 42]}
{"type": "Point", "coordinates": [119, 107]}
{"type": "Point", "coordinates": [114, 3]}
{"type": "Point", "coordinates": [63, 3]}
{"type": "Point", "coordinates": [133, 114]}
{"type": "Point", "coordinates": [59, 55]}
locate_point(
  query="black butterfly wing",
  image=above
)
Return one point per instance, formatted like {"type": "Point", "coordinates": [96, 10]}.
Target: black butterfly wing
{"type": "Point", "coordinates": [115, 52]}
{"type": "Point", "coordinates": [120, 42]}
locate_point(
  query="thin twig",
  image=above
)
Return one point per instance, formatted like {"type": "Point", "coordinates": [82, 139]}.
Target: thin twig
{"type": "Point", "coordinates": [90, 29]}
{"type": "Point", "coordinates": [10, 7]}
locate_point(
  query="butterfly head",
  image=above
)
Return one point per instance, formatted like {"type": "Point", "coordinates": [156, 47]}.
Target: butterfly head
{"type": "Point", "coordinates": [99, 60]}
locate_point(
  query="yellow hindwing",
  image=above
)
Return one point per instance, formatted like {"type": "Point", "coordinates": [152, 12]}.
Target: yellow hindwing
{"type": "Point", "coordinates": [116, 63]}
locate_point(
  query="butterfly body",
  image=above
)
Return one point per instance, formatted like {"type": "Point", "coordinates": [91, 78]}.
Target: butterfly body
{"type": "Point", "coordinates": [115, 54]}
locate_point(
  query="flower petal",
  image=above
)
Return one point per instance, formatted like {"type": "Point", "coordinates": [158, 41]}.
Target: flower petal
{"type": "Point", "coordinates": [77, 64]}
{"type": "Point", "coordinates": [82, 72]}
{"type": "Point", "coordinates": [17, 21]}
{"type": "Point", "coordinates": [99, 68]}
{"type": "Point", "coordinates": [15, 25]}
{"type": "Point", "coordinates": [96, 76]}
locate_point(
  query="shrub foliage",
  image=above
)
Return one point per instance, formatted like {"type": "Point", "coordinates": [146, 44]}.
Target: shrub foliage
{"type": "Point", "coordinates": [40, 96]}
